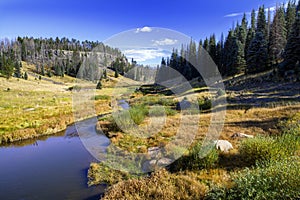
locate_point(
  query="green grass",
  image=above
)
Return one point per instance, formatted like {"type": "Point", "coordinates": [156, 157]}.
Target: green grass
{"type": "Point", "coordinates": [277, 180]}
{"type": "Point", "coordinates": [30, 109]}
{"type": "Point", "coordinates": [101, 97]}
{"type": "Point", "coordinates": [156, 100]}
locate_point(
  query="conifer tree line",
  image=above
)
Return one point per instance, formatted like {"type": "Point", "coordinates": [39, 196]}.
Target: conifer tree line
{"type": "Point", "coordinates": [52, 56]}
{"type": "Point", "coordinates": [271, 40]}
{"type": "Point", "coordinates": [132, 70]}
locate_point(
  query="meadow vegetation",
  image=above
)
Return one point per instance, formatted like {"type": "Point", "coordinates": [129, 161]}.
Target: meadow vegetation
{"type": "Point", "coordinates": [263, 167]}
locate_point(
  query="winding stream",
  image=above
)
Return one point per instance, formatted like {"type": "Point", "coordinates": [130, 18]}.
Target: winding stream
{"type": "Point", "coordinates": [52, 167]}
{"type": "Point", "coordinates": [47, 168]}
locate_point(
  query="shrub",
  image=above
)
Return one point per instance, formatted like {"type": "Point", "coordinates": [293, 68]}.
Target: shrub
{"type": "Point", "coordinates": [204, 104]}
{"type": "Point", "coordinates": [220, 92]}
{"type": "Point", "coordinates": [101, 97]}
{"type": "Point", "coordinates": [258, 149]}
{"type": "Point", "coordinates": [195, 159]}
{"type": "Point", "coordinates": [138, 113]}
{"type": "Point", "coordinates": [265, 149]}
{"type": "Point", "coordinates": [276, 180]}
{"type": "Point", "coordinates": [159, 111]}
{"type": "Point", "coordinates": [292, 125]}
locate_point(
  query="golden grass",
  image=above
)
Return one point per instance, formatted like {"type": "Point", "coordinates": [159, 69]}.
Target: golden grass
{"type": "Point", "coordinates": [33, 107]}
{"type": "Point", "coordinates": [160, 185]}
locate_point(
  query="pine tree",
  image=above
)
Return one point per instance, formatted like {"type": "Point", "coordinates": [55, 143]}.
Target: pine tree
{"type": "Point", "coordinates": [253, 20]}
{"type": "Point", "coordinates": [105, 74]}
{"type": "Point", "coordinates": [269, 25]}
{"type": "Point", "coordinates": [57, 70]}
{"type": "Point", "coordinates": [292, 49]}
{"type": "Point", "coordinates": [25, 76]}
{"type": "Point", "coordinates": [238, 57]}
{"type": "Point", "coordinates": [250, 36]}
{"type": "Point", "coordinates": [200, 47]}
{"type": "Point", "coordinates": [228, 49]}
{"type": "Point", "coordinates": [17, 66]}
{"type": "Point", "coordinates": [43, 70]}
{"type": "Point", "coordinates": [116, 73]}
{"type": "Point", "coordinates": [257, 56]}
{"type": "Point", "coordinates": [277, 39]}
{"type": "Point", "coordinates": [220, 53]}
{"type": "Point", "coordinates": [290, 16]}
{"type": "Point", "coordinates": [8, 66]}
{"type": "Point", "coordinates": [192, 54]}
{"type": "Point", "coordinates": [213, 48]}
{"type": "Point", "coordinates": [99, 85]}
{"type": "Point", "coordinates": [261, 22]}
{"type": "Point", "coordinates": [242, 30]}
{"type": "Point", "coordinates": [206, 44]}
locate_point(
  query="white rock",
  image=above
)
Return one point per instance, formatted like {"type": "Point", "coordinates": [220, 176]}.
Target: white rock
{"type": "Point", "coordinates": [223, 145]}
{"type": "Point", "coordinates": [153, 152]}
{"type": "Point", "coordinates": [149, 165]}
{"type": "Point", "coordinates": [164, 162]}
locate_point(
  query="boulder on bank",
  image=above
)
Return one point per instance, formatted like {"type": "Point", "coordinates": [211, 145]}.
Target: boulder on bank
{"type": "Point", "coordinates": [241, 135]}
{"type": "Point", "coordinates": [223, 145]}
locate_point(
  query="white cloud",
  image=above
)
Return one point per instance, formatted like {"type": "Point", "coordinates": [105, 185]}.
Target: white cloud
{"type": "Point", "coordinates": [271, 8]}
{"type": "Point", "coordinates": [144, 54]}
{"type": "Point", "coordinates": [163, 42]}
{"type": "Point", "coordinates": [234, 15]}
{"type": "Point", "coordinates": [145, 29]}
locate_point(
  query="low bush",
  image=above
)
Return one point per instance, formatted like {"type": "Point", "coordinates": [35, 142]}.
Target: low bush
{"type": "Point", "coordinates": [157, 111]}
{"type": "Point", "coordinates": [259, 149]}
{"type": "Point", "coordinates": [276, 180]}
{"type": "Point", "coordinates": [138, 113]}
{"type": "Point", "coordinates": [204, 104]}
{"type": "Point", "coordinates": [101, 97]}
{"type": "Point", "coordinates": [265, 148]}
{"type": "Point", "coordinates": [196, 159]}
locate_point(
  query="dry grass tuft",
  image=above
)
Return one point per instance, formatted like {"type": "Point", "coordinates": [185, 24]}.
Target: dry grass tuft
{"type": "Point", "coordinates": [160, 185]}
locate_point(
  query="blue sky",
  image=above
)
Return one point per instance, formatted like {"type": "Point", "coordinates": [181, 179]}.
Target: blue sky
{"type": "Point", "coordinates": [102, 19]}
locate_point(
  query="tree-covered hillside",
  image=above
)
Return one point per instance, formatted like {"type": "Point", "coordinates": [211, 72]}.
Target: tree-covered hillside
{"type": "Point", "coordinates": [52, 56]}
{"type": "Point", "coordinates": [271, 41]}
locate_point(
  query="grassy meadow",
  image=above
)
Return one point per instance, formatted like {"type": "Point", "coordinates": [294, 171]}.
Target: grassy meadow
{"type": "Point", "coordinates": [263, 167]}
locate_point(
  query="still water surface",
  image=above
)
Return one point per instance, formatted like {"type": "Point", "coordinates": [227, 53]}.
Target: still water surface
{"type": "Point", "coordinates": [47, 168]}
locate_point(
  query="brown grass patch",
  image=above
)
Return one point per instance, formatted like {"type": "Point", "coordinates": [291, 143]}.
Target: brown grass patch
{"type": "Point", "coordinates": [160, 185]}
